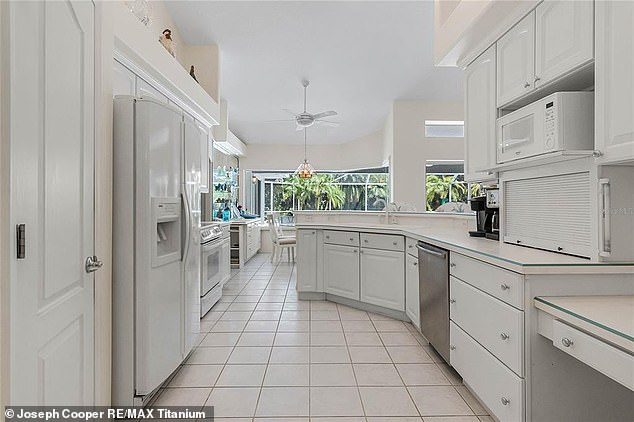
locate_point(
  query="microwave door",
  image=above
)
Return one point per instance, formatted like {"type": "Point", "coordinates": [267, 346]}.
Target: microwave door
{"type": "Point", "coordinates": [516, 138]}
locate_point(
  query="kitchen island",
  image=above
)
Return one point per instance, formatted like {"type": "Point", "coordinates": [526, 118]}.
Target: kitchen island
{"type": "Point", "coordinates": [370, 261]}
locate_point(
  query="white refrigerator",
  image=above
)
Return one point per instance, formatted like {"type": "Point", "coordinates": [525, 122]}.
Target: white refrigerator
{"type": "Point", "coordinates": [156, 269]}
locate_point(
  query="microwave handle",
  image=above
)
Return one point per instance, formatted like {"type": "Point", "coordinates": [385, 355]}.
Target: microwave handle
{"type": "Point", "coordinates": [514, 142]}
{"type": "Point", "coordinates": [605, 229]}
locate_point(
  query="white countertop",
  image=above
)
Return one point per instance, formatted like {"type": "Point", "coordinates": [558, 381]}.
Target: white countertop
{"type": "Point", "coordinates": [609, 318]}
{"type": "Point", "coordinates": [515, 258]}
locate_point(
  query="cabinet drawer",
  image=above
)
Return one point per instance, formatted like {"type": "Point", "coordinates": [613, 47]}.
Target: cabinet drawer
{"type": "Point", "coordinates": [504, 285]}
{"type": "Point", "coordinates": [601, 356]}
{"type": "Point", "coordinates": [494, 324]}
{"type": "Point", "coordinates": [410, 247]}
{"type": "Point", "coordinates": [497, 387]}
{"type": "Point", "coordinates": [336, 237]}
{"type": "Point", "coordinates": [383, 241]}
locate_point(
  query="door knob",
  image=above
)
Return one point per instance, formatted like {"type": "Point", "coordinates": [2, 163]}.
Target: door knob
{"type": "Point", "coordinates": [93, 264]}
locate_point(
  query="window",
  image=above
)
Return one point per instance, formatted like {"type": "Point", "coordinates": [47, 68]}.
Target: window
{"type": "Point", "coordinates": [361, 190]}
{"type": "Point", "coordinates": [444, 129]}
{"type": "Point", "coordinates": [445, 188]}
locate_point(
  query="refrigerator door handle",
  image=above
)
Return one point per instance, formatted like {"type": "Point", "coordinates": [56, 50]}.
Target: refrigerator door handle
{"type": "Point", "coordinates": [188, 224]}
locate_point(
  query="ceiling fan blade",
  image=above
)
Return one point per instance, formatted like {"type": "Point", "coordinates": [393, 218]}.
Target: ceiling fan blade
{"type": "Point", "coordinates": [279, 120]}
{"type": "Point", "coordinates": [327, 123]}
{"type": "Point", "coordinates": [289, 112]}
{"type": "Point", "coordinates": [324, 114]}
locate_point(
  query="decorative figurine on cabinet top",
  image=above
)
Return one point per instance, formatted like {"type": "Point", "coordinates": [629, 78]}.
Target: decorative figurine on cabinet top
{"type": "Point", "coordinates": [167, 42]}
{"type": "Point", "coordinates": [192, 73]}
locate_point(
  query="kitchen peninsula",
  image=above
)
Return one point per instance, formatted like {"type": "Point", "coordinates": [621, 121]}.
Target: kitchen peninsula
{"type": "Point", "coordinates": [370, 261]}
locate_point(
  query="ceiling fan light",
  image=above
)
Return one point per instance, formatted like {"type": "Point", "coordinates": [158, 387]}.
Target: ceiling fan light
{"type": "Point", "coordinates": [305, 170]}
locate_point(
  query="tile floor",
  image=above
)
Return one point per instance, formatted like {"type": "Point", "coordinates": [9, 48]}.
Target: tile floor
{"type": "Point", "coordinates": [264, 355]}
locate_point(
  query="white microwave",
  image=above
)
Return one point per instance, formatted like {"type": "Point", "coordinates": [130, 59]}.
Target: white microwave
{"type": "Point", "coordinates": [558, 122]}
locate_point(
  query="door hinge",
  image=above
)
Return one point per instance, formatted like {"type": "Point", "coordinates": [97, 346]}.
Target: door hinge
{"type": "Point", "coordinates": [93, 264]}
{"type": "Point", "coordinates": [20, 239]}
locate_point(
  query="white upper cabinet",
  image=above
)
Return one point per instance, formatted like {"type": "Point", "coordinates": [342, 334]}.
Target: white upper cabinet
{"type": "Point", "coordinates": [564, 38]}
{"type": "Point", "coordinates": [123, 80]}
{"type": "Point", "coordinates": [480, 114]}
{"type": "Point", "coordinates": [614, 76]}
{"type": "Point", "coordinates": [515, 61]}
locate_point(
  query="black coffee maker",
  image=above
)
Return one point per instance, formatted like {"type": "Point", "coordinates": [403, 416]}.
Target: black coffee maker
{"type": "Point", "coordinates": [487, 215]}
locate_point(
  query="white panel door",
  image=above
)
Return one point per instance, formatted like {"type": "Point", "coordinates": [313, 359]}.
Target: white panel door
{"type": "Point", "coordinates": [191, 260]}
{"type": "Point", "coordinates": [306, 260]}
{"type": "Point", "coordinates": [51, 83]}
{"type": "Point", "coordinates": [123, 80]}
{"type": "Point", "coordinates": [412, 302]}
{"type": "Point", "coordinates": [341, 271]}
{"type": "Point", "coordinates": [515, 61]}
{"type": "Point", "coordinates": [614, 78]}
{"type": "Point", "coordinates": [383, 278]}
{"type": "Point", "coordinates": [564, 37]}
{"type": "Point", "coordinates": [480, 115]}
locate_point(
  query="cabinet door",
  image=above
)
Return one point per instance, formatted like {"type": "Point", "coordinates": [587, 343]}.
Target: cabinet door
{"type": "Point", "coordinates": [144, 89]}
{"type": "Point", "coordinates": [383, 278]}
{"type": "Point", "coordinates": [341, 271]}
{"type": "Point", "coordinates": [614, 77]}
{"type": "Point", "coordinates": [480, 114]}
{"type": "Point", "coordinates": [412, 307]}
{"type": "Point", "coordinates": [306, 260]}
{"type": "Point", "coordinates": [564, 37]}
{"type": "Point", "coordinates": [515, 61]}
{"type": "Point", "coordinates": [123, 80]}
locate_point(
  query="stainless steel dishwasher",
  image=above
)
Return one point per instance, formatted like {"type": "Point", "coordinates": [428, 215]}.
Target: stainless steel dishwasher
{"type": "Point", "coordinates": [433, 293]}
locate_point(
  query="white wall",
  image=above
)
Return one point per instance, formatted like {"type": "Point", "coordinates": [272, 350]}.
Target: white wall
{"type": "Point", "coordinates": [363, 152]}
{"type": "Point", "coordinates": [412, 149]}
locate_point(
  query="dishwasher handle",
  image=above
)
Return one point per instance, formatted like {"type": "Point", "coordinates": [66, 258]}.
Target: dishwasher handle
{"type": "Point", "coordinates": [434, 252]}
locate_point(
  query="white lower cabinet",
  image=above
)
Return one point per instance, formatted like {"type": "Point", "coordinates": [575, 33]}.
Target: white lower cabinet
{"type": "Point", "coordinates": [306, 260]}
{"type": "Point", "coordinates": [341, 270]}
{"type": "Point", "coordinates": [382, 275]}
{"type": "Point", "coordinates": [412, 306]}
{"type": "Point", "coordinates": [497, 386]}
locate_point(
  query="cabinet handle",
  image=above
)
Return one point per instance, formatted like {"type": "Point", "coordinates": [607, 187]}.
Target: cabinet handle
{"type": "Point", "coordinates": [415, 263]}
{"type": "Point", "coordinates": [394, 243]}
{"type": "Point", "coordinates": [355, 251]}
{"type": "Point", "coordinates": [365, 241]}
{"type": "Point", "coordinates": [452, 300]}
{"type": "Point", "coordinates": [605, 236]}
{"type": "Point", "coordinates": [504, 286]}
{"type": "Point", "coordinates": [537, 78]}
{"type": "Point", "coordinates": [452, 265]}
{"type": "Point", "coordinates": [566, 342]}
{"type": "Point", "coordinates": [351, 239]}
{"type": "Point", "coordinates": [504, 336]}
{"type": "Point", "coordinates": [526, 84]}
{"type": "Point", "coordinates": [327, 237]}
{"type": "Point", "coordinates": [410, 246]}
{"type": "Point", "coordinates": [452, 347]}
{"type": "Point", "coordinates": [505, 401]}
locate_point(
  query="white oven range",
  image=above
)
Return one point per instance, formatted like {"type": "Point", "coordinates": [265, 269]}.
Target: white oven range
{"type": "Point", "coordinates": [215, 263]}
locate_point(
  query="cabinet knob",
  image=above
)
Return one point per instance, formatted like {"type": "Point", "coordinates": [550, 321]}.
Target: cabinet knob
{"type": "Point", "coordinates": [537, 78]}
{"type": "Point", "coordinates": [410, 246]}
{"type": "Point", "coordinates": [452, 265]}
{"type": "Point", "coordinates": [504, 286]}
{"type": "Point", "coordinates": [355, 251]}
{"type": "Point", "coordinates": [526, 84]}
{"type": "Point", "coordinates": [415, 263]}
{"type": "Point", "coordinates": [504, 336]}
{"type": "Point", "coordinates": [452, 300]}
{"type": "Point", "coordinates": [566, 342]}
{"type": "Point", "coordinates": [365, 241]}
{"type": "Point", "coordinates": [327, 237]}
{"type": "Point", "coordinates": [394, 243]}
{"type": "Point", "coordinates": [505, 401]}
{"type": "Point", "coordinates": [452, 347]}
{"type": "Point", "coordinates": [351, 239]}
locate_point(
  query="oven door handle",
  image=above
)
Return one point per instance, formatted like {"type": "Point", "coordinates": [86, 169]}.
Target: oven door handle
{"type": "Point", "coordinates": [214, 243]}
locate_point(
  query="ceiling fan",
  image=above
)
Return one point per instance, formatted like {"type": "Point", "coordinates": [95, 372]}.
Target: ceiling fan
{"type": "Point", "coordinates": [306, 119]}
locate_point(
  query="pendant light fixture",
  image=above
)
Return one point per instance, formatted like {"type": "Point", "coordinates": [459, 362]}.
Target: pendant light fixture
{"type": "Point", "coordinates": [305, 170]}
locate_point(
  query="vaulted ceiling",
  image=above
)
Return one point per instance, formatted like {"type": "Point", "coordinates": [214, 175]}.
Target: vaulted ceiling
{"type": "Point", "coordinates": [359, 57]}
